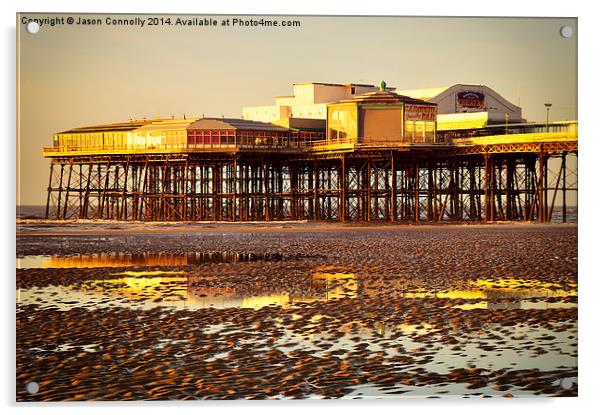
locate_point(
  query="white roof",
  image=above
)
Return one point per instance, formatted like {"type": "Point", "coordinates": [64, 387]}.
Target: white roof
{"type": "Point", "coordinates": [438, 95]}
{"type": "Point", "coordinates": [422, 93]}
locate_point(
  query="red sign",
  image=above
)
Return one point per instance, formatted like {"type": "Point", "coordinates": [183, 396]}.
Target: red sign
{"type": "Point", "coordinates": [415, 112]}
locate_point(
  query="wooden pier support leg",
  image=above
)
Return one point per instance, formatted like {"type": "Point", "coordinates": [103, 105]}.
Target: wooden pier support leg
{"type": "Point", "coordinates": [486, 188]}
{"type": "Point", "coordinates": [317, 214]}
{"type": "Point", "coordinates": [455, 191]}
{"type": "Point", "coordinates": [369, 191]}
{"type": "Point", "coordinates": [248, 187]}
{"type": "Point", "coordinates": [545, 188]}
{"type": "Point", "coordinates": [186, 191]}
{"type": "Point", "coordinates": [474, 171]}
{"type": "Point", "coordinates": [215, 179]}
{"type": "Point", "coordinates": [254, 189]}
{"type": "Point", "coordinates": [86, 199]}
{"type": "Point", "coordinates": [430, 193]}
{"type": "Point", "coordinates": [393, 210]}
{"type": "Point", "coordinates": [293, 171]}
{"type": "Point", "coordinates": [509, 211]}
{"type": "Point", "coordinates": [222, 200]}
{"type": "Point", "coordinates": [165, 191]}
{"type": "Point", "coordinates": [551, 211]}
{"type": "Point", "coordinates": [48, 196]}
{"type": "Point", "coordinates": [499, 207]}
{"type": "Point", "coordinates": [60, 194]}
{"type": "Point", "coordinates": [234, 189]}
{"type": "Point", "coordinates": [266, 187]}
{"type": "Point", "coordinates": [104, 189]}
{"type": "Point", "coordinates": [123, 213]}
{"type": "Point", "coordinates": [460, 189]}
{"type": "Point", "coordinates": [532, 186]}
{"type": "Point", "coordinates": [527, 189]}
{"type": "Point", "coordinates": [387, 188]}
{"type": "Point", "coordinates": [492, 189]}
{"type": "Point", "coordinates": [280, 170]}
{"type": "Point", "coordinates": [417, 193]}
{"type": "Point", "coordinates": [563, 187]}
{"type": "Point", "coordinates": [343, 192]}
{"type": "Point", "coordinates": [134, 190]}
{"type": "Point", "coordinates": [143, 198]}
{"type": "Point", "coordinates": [541, 208]}
{"type": "Point", "coordinates": [192, 194]}
{"type": "Point", "coordinates": [80, 191]}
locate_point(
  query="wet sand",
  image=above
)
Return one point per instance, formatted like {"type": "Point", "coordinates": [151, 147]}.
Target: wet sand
{"type": "Point", "coordinates": [302, 310]}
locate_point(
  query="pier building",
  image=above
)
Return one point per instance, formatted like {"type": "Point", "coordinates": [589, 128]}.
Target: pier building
{"type": "Point", "coordinates": [370, 155]}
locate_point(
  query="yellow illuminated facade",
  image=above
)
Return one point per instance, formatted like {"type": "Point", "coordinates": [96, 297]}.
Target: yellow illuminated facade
{"type": "Point", "coordinates": [420, 123]}
{"type": "Point", "coordinates": [342, 122]}
{"type": "Point", "coordinates": [382, 117]}
{"type": "Point", "coordinates": [101, 139]}
{"type": "Point", "coordinates": [145, 134]}
{"type": "Point", "coordinates": [166, 134]}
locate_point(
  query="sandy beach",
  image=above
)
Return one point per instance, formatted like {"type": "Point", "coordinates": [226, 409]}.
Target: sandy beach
{"type": "Point", "coordinates": [127, 311]}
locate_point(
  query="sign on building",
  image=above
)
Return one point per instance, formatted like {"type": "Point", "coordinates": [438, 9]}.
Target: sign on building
{"type": "Point", "coordinates": [471, 99]}
{"type": "Point", "coordinates": [420, 112]}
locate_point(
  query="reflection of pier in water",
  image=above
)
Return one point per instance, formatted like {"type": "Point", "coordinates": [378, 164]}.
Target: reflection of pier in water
{"type": "Point", "coordinates": [324, 283]}
{"type": "Point", "coordinates": [327, 284]}
{"type": "Point", "coordinates": [124, 259]}
{"type": "Point", "coordinates": [321, 286]}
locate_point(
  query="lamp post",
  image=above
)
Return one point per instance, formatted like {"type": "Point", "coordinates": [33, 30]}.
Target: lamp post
{"type": "Point", "coordinates": [548, 105]}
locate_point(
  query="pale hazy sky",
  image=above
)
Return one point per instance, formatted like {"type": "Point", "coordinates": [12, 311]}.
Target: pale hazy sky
{"type": "Point", "coordinates": [73, 75]}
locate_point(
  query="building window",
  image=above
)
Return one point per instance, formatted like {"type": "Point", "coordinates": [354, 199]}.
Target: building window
{"type": "Point", "coordinates": [409, 131]}
{"type": "Point", "coordinates": [419, 132]}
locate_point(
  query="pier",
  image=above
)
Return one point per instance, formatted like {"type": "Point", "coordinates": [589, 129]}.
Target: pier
{"type": "Point", "coordinates": [517, 172]}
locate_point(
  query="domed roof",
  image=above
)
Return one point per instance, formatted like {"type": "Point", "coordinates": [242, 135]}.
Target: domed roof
{"type": "Point", "coordinates": [385, 97]}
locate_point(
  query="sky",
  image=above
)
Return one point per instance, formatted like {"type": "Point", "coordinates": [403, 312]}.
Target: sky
{"type": "Point", "coordinates": [77, 75]}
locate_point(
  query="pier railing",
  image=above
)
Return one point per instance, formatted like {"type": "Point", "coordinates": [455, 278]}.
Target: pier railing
{"type": "Point", "coordinates": [498, 134]}
{"type": "Point", "coordinates": [179, 148]}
